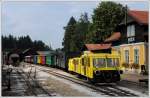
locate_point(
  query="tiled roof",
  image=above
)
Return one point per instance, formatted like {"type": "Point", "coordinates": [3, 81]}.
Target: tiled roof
{"type": "Point", "coordinates": [26, 50]}
{"type": "Point", "coordinates": [115, 36]}
{"type": "Point", "coordinates": [91, 47]}
{"type": "Point", "coordinates": [139, 16]}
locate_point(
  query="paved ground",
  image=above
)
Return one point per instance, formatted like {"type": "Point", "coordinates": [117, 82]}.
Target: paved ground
{"type": "Point", "coordinates": [18, 86]}
{"type": "Point", "coordinates": [131, 81]}
{"type": "Point", "coordinates": [55, 86]}
{"type": "Point", "coordinates": [133, 77]}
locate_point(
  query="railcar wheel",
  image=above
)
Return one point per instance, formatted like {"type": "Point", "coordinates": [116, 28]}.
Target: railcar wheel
{"type": "Point", "coordinates": [116, 77]}
{"type": "Point", "coordinates": [107, 77]}
{"type": "Point", "coordinates": [92, 81]}
{"type": "Point", "coordinates": [79, 76]}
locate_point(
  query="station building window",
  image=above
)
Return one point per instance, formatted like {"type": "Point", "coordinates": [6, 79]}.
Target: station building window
{"type": "Point", "coordinates": [131, 33]}
{"type": "Point", "coordinates": [130, 30]}
{"type": "Point", "coordinates": [127, 56]}
{"type": "Point", "coordinates": [136, 56]}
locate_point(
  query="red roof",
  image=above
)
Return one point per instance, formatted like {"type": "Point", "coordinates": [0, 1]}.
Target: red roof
{"type": "Point", "coordinates": [115, 36]}
{"type": "Point", "coordinates": [91, 47]}
{"type": "Point", "coordinates": [139, 16]}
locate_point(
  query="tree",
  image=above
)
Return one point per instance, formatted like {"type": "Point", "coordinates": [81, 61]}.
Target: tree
{"type": "Point", "coordinates": [39, 45]}
{"type": "Point", "coordinates": [81, 31]}
{"type": "Point", "coordinates": [23, 42]}
{"type": "Point", "coordinates": [75, 34]}
{"type": "Point", "coordinates": [68, 40]}
{"type": "Point", "coordinates": [105, 19]}
{"type": "Point", "coordinates": [90, 36]}
{"type": "Point", "coordinates": [69, 35]}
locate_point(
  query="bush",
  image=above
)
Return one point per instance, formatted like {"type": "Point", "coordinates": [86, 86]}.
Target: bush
{"type": "Point", "coordinates": [126, 65]}
{"type": "Point", "coordinates": [135, 66]}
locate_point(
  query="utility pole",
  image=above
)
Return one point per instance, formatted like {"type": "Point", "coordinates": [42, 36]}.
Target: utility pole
{"type": "Point", "coordinates": [126, 11]}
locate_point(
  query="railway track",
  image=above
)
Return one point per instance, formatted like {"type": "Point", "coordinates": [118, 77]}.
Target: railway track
{"type": "Point", "coordinates": [109, 90]}
{"type": "Point", "coordinates": [28, 85]}
{"type": "Point", "coordinates": [116, 90]}
{"type": "Point", "coordinates": [33, 87]}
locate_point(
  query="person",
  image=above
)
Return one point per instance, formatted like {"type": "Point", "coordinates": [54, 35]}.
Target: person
{"type": "Point", "coordinates": [9, 70]}
{"type": "Point", "coordinates": [143, 69]}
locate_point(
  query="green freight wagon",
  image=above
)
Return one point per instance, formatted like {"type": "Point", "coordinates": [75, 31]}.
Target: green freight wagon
{"type": "Point", "coordinates": [50, 61]}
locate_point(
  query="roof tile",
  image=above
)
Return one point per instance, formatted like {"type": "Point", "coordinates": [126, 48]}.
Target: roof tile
{"type": "Point", "coordinates": [139, 16]}
{"type": "Point", "coordinates": [91, 47]}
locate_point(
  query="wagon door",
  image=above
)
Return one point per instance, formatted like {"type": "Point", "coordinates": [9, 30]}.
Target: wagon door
{"type": "Point", "coordinates": [48, 60]}
{"type": "Point", "coordinates": [88, 67]}
{"type": "Point", "coordinates": [70, 65]}
{"type": "Point", "coordinates": [79, 67]}
{"type": "Point", "coordinates": [83, 67]}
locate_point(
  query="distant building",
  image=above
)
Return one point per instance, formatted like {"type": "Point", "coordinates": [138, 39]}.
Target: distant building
{"type": "Point", "coordinates": [13, 57]}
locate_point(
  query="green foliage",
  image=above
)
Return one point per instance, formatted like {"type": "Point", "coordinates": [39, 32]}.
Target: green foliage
{"type": "Point", "coordinates": [75, 34]}
{"type": "Point", "coordinates": [126, 65]}
{"type": "Point", "coordinates": [23, 42]}
{"type": "Point", "coordinates": [105, 20]}
{"type": "Point", "coordinates": [69, 36]}
{"type": "Point", "coordinates": [135, 66]}
{"type": "Point", "coordinates": [81, 31]}
{"type": "Point", "coordinates": [9, 42]}
{"type": "Point", "coordinates": [39, 45]}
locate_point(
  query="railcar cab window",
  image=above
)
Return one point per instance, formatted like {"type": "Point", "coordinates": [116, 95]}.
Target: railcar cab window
{"type": "Point", "coordinates": [112, 62]}
{"type": "Point", "coordinates": [116, 61]}
{"type": "Point", "coordinates": [99, 62]}
{"type": "Point", "coordinates": [109, 62]}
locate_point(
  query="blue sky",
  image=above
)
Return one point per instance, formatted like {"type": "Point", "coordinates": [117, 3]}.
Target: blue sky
{"type": "Point", "coordinates": [45, 20]}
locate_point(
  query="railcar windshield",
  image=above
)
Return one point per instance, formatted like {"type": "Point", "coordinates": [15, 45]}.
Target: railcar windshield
{"type": "Point", "coordinates": [102, 62]}
{"type": "Point", "coordinates": [112, 62]}
{"type": "Point", "coordinates": [99, 62]}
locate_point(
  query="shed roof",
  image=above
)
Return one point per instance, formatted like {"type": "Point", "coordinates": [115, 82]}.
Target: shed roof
{"type": "Point", "coordinates": [92, 47]}
{"type": "Point", "coordinates": [29, 51]}
{"type": "Point", "coordinates": [114, 37]}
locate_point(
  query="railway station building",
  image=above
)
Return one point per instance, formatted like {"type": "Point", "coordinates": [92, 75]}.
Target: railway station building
{"type": "Point", "coordinates": [134, 41]}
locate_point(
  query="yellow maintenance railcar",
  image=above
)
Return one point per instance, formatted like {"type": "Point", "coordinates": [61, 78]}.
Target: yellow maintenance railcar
{"type": "Point", "coordinates": [97, 67]}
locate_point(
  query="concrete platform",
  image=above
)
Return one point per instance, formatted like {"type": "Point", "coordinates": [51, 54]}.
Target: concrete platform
{"type": "Point", "coordinates": [134, 77]}
{"type": "Point", "coordinates": [17, 84]}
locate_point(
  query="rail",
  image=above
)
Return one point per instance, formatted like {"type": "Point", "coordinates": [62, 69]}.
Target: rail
{"type": "Point", "coordinates": [104, 89]}
{"type": "Point", "coordinates": [32, 83]}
